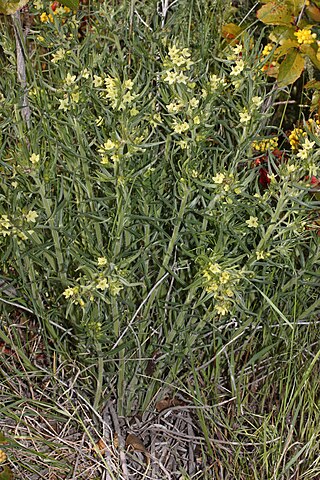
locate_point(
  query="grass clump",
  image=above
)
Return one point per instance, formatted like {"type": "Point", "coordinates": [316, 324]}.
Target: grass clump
{"type": "Point", "coordinates": [162, 234]}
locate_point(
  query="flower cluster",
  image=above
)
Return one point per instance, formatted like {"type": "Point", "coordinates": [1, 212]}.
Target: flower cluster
{"type": "Point", "coordinates": [306, 149]}
{"type": "Point", "coordinates": [110, 151]}
{"type": "Point", "coordinates": [179, 57]}
{"type": "Point", "coordinates": [18, 227]}
{"type": "Point", "coordinates": [118, 94]}
{"type": "Point", "coordinates": [176, 63]}
{"type": "Point", "coordinates": [106, 279]}
{"type": "Point", "coordinates": [305, 36]}
{"type": "Point", "coordinates": [265, 144]}
{"type": "Point", "coordinates": [226, 183]}
{"type": "Point", "coordinates": [295, 137]}
{"type": "Point", "coordinates": [237, 68]}
{"type": "Point", "coordinates": [267, 49]}
{"type": "Point", "coordinates": [221, 283]}
{"type": "Point", "coordinates": [57, 10]}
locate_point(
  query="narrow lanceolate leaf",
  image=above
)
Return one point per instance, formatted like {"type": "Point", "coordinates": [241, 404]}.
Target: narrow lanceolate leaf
{"type": "Point", "coordinates": [274, 13]}
{"type": "Point", "coordinates": [7, 8]}
{"type": "Point", "coordinates": [72, 4]}
{"type": "Point", "coordinates": [291, 68]}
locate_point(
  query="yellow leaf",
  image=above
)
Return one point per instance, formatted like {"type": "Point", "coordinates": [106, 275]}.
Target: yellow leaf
{"type": "Point", "coordinates": [274, 13]}
{"type": "Point", "coordinates": [8, 8]}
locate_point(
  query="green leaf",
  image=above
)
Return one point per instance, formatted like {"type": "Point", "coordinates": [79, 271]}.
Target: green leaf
{"type": "Point", "coordinates": [286, 46]}
{"type": "Point", "coordinates": [290, 69]}
{"type": "Point", "coordinates": [72, 4]}
{"type": "Point", "coordinates": [312, 84]}
{"type": "Point", "coordinates": [312, 54]}
{"type": "Point", "coordinates": [7, 8]}
{"type": "Point", "coordinates": [231, 31]}
{"type": "Point", "coordinates": [3, 439]}
{"type": "Point", "coordinates": [274, 13]}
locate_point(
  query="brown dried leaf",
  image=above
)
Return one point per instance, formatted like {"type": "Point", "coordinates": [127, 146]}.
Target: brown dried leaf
{"type": "Point", "coordinates": [101, 447]}
{"type": "Point", "coordinates": [168, 403]}
{"type": "Point", "coordinates": [115, 440]}
{"type": "Point", "coordinates": [134, 442]}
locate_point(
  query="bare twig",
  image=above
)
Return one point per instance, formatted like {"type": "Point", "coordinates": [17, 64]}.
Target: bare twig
{"type": "Point", "coordinates": [121, 441]}
{"type": "Point", "coordinates": [21, 66]}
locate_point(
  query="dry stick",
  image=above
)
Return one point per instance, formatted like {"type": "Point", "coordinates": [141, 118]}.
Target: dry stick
{"type": "Point", "coordinates": [21, 66]}
{"type": "Point", "coordinates": [120, 439]}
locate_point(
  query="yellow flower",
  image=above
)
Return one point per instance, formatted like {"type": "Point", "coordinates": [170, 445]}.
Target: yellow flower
{"type": "Point", "coordinates": [31, 216]}
{"type": "Point", "coordinates": [85, 73]}
{"type": "Point", "coordinates": [174, 107]}
{"type": "Point", "coordinates": [181, 78]}
{"type": "Point", "coordinates": [58, 55]}
{"type": "Point", "coordinates": [222, 308]}
{"type": "Point", "coordinates": [102, 261]}
{"type": "Point", "coordinates": [212, 287]}
{"type": "Point", "coordinates": [44, 18]}
{"type": "Point", "coordinates": [219, 178]}
{"type": "Point", "coordinates": [70, 292]}
{"type": "Point", "coordinates": [108, 145]}
{"type": "Point", "coordinates": [252, 222]}
{"type": "Point", "coordinates": [196, 120]}
{"type": "Point", "coordinates": [34, 158]}
{"type": "Point", "coordinates": [64, 104]}
{"type": "Point", "coordinates": [180, 57]}
{"type": "Point", "coordinates": [214, 268]}
{"type": "Point", "coordinates": [245, 117]}
{"type": "Point", "coordinates": [102, 284]}
{"type": "Point", "coordinates": [128, 84]}
{"type": "Point", "coordinates": [307, 146]}
{"type": "Point", "coordinates": [38, 4]}
{"type": "Point", "coordinates": [237, 68]}
{"type": "Point", "coordinates": [170, 77]}
{"type": "Point", "coordinates": [267, 49]}
{"type": "Point", "coordinates": [70, 79]}
{"type": "Point", "coordinates": [224, 277]}
{"type": "Point", "coordinates": [183, 144]}
{"type": "Point", "coordinates": [305, 36]}
{"type": "Point", "coordinates": [180, 127]}
{"type": "Point", "coordinates": [260, 255]}
{"type": "Point", "coordinates": [257, 101]}
{"type": "Point", "coordinates": [75, 96]}
{"type": "Point", "coordinates": [97, 81]}
{"type": "Point", "coordinates": [194, 102]}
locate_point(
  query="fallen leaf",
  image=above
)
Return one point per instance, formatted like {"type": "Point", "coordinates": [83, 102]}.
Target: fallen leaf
{"type": "Point", "coordinates": [168, 403]}
{"type": "Point", "coordinates": [134, 442]}
{"type": "Point", "coordinates": [100, 447]}
{"type": "Point", "coordinates": [115, 440]}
